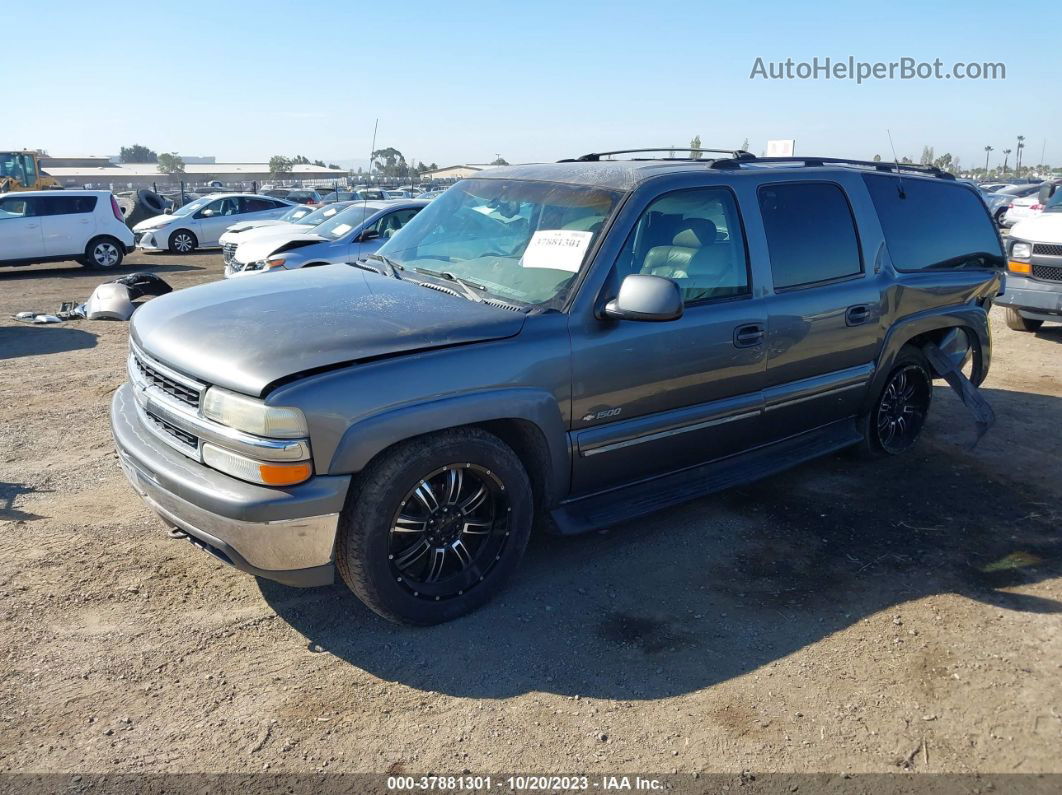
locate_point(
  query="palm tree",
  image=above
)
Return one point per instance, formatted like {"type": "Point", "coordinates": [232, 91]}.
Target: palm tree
{"type": "Point", "coordinates": [1017, 157]}
{"type": "Point", "coordinates": [1006, 154]}
{"type": "Point", "coordinates": [988, 150]}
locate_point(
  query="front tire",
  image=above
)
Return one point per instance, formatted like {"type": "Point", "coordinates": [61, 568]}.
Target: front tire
{"type": "Point", "coordinates": [434, 527]}
{"type": "Point", "coordinates": [899, 413]}
{"type": "Point", "coordinates": [183, 242]}
{"type": "Point", "coordinates": [103, 253]}
{"type": "Point", "coordinates": [1015, 321]}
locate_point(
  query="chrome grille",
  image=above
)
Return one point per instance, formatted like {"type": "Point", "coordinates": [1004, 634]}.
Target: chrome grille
{"type": "Point", "coordinates": [228, 251]}
{"type": "Point", "coordinates": [181, 436]}
{"type": "Point", "coordinates": [185, 393]}
{"type": "Point", "coordinates": [1047, 272]}
{"type": "Point", "coordinates": [1047, 249]}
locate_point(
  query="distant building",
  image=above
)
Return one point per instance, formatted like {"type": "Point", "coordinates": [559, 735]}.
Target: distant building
{"type": "Point", "coordinates": [457, 172]}
{"type": "Point", "coordinates": [102, 174]}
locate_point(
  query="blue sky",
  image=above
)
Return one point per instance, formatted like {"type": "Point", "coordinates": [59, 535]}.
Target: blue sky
{"type": "Point", "coordinates": [455, 81]}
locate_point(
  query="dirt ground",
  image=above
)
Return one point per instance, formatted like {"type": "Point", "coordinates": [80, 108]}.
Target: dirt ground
{"type": "Point", "coordinates": [843, 617]}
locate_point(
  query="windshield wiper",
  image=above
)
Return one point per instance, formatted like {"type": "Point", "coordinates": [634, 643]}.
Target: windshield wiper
{"type": "Point", "coordinates": [468, 287]}
{"type": "Point", "coordinates": [392, 267]}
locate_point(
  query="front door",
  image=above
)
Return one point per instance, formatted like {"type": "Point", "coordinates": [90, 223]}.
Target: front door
{"type": "Point", "coordinates": [21, 236]}
{"type": "Point", "coordinates": [824, 320]}
{"type": "Point", "coordinates": [649, 398]}
{"type": "Point", "coordinates": [215, 218]}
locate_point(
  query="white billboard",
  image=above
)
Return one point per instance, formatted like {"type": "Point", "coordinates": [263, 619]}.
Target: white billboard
{"type": "Point", "coordinates": [781, 147]}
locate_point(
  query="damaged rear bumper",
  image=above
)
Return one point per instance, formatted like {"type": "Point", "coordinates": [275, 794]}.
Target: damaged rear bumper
{"type": "Point", "coordinates": [1033, 297]}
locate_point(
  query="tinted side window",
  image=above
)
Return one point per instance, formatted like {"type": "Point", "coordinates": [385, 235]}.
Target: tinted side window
{"type": "Point", "coordinates": [811, 234]}
{"type": "Point", "coordinates": [933, 224]}
{"type": "Point", "coordinates": [16, 207]}
{"type": "Point", "coordinates": [65, 205]}
{"type": "Point", "coordinates": [257, 205]}
{"type": "Point", "coordinates": [693, 237]}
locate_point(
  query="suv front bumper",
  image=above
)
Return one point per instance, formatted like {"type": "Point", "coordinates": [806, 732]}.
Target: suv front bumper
{"type": "Point", "coordinates": [287, 535]}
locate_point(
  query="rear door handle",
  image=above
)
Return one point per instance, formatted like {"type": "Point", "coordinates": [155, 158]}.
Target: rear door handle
{"type": "Point", "coordinates": [856, 315]}
{"type": "Point", "coordinates": [749, 335]}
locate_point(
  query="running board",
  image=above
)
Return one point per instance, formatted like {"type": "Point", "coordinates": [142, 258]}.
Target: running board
{"type": "Point", "coordinates": [640, 499]}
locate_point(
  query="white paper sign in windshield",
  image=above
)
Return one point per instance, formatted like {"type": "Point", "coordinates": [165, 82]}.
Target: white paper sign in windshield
{"type": "Point", "coordinates": [559, 249]}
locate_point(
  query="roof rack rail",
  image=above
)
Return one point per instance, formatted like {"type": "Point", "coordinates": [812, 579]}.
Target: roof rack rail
{"type": "Point", "coordinates": [732, 154]}
{"type": "Point", "coordinates": [809, 162]}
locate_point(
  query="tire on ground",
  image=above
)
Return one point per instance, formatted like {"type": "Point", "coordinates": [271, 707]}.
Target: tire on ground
{"type": "Point", "coordinates": [103, 253]}
{"type": "Point", "coordinates": [1015, 321]}
{"type": "Point", "coordinates": [363, 547]}
{"type": "Point", "coordinates": [909, 358]}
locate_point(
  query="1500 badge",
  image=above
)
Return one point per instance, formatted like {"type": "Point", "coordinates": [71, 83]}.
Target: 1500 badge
{"type": "Point", "coordinates": [602, 415]}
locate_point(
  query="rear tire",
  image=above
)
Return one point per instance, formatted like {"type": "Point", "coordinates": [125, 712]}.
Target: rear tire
{"type": "Point", "coordinates": [434, 527]}
{"type": "Point", "coordinates": [183, 242]}
{"type": "Point", "coordinates": [1015, 321]}
{"type": "Point", "coordinates": [898, 415]}
{"type": "Point", "coordinates": [103, 253]}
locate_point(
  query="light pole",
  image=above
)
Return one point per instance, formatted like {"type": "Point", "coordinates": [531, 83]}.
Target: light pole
{"type": "Point", "coordinates": [988, 151]}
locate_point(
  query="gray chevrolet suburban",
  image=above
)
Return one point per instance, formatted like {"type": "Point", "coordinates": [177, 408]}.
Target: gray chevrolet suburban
{"type": "Point", "coordinates": [565, 346]}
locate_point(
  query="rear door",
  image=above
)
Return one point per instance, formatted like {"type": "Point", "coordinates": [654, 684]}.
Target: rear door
{"type": "Point", "coordinates": [68, 223]}
{"type": "Point", "coordinates": [824, 320]}
{"type": "Point", "coordinates": [21, 236]}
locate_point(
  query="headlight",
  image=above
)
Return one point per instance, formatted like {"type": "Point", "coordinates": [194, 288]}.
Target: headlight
{"type": "Point", "coordinates": [252, 415]}
{"type": "Point", "coordinates": [1021, 251]}
{"type": "Point", "coordinates": [273, 262]}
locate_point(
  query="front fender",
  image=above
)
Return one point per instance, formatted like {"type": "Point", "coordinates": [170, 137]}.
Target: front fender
{"type": "Point", "coordinates": [368, 437]}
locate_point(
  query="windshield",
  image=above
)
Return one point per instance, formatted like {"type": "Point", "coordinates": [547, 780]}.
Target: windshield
{"type": "Point", "coordinates": [522, 241]}
{"type": "Point", "coordinates": [192, 207]}
{"type": "Point", "coordinates": [342, 221]}
{"type": "Point", "coordinates": [295, 213]}
{"type": "Point", "coordinates": [322, 214]}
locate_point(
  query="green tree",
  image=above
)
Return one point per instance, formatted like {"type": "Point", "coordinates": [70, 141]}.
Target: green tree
{"type": "Point", "coordinates": [279, 165]}
{"type": "Point", "coordinates": [877, 158]}
{"type": "Point", "coordinates": [300, 160]}
{"type": "Point", "coordinates": [927, 156]}
{"type": "Point", "coordinates": [695, 147]}
{"type": "Point", "coordinates": [170, 163]}
{"type": "Point", "coordinates": [501, 161]}
{"type": "Point", "coordinates": [390, 162]}
{"type": "Point", "coordinates": [137, 154]}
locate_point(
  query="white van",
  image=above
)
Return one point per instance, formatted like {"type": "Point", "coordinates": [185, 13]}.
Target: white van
{"type": "Point", "coordinates": [56, 225]}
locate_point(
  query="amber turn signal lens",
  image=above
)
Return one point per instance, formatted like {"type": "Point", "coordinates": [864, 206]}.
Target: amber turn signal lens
{"type": "Point", "coordinates": [284, 474]}
{"type": "Point", "coordinates": [1019, 267]}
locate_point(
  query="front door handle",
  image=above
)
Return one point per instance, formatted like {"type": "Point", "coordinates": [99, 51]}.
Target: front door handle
{"type": "Point", "coordinates": [856, 315]}
{"type": "Point", "coordinates": [749, 335]}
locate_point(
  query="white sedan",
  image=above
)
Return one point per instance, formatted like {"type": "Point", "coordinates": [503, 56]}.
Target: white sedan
{"type": "Point", "coordinates": [201, 223]}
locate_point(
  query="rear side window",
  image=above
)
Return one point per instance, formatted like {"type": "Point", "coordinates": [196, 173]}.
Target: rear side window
{"type": "Point", "coordinates": [257, 205]}
{"type": "Point", "coordinates": [66, 205]}
{"type": "Point", "coordinates": [811, 234]}
{"type": "Point", "coordinates": [933, 224]}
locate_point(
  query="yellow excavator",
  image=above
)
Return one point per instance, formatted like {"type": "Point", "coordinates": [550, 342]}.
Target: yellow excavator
{"type": "Point", "coordinates": [21, 170]}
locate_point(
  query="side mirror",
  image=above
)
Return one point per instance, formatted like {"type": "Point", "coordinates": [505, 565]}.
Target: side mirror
{"type": "Point", "coordinates": [647, 298]}
{"type": "Point", "coordinates": [206, 213]}
{"type": "Point", "coordinates": [368, 234]}
{"type": "Point", "coordinates": [1046, 192]}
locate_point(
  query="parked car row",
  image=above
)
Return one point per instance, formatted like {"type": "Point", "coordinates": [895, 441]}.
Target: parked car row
{"type": "Point", "coordinates": [1009, 203]}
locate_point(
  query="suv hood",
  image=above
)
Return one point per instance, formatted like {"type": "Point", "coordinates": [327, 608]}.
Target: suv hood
{"type": "Point", "coordinates": [259, 247]}
{"type": "Point", "coordinates": [1043, 228]}
{"type": "Point", "coordinates": [244, 334]}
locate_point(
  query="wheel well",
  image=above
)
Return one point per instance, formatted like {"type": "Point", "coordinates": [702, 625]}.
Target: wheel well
{"type": "Point", "coordinates": [937, 337]}
{"type": "Point", "coordinates": [529, 444]}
